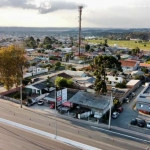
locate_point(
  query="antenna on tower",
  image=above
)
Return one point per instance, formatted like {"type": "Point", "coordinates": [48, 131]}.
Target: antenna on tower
{"type": "Point", "coordinates": [80, 13]}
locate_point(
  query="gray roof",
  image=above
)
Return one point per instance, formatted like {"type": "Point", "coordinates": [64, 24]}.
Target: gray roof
{"type": "Point", "coordinates": [40, 85]}
{"type": "Point", "coordinates": [90, 100]}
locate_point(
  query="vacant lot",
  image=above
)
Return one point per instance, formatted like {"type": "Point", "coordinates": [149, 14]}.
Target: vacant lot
{"type": "Point", "coordinates": [129, 44]}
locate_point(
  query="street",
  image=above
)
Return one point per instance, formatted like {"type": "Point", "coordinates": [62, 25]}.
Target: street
{"type": "Point", "coordinates": [123, 121]}
{"type": "Point", "coordinates": [70, 129]}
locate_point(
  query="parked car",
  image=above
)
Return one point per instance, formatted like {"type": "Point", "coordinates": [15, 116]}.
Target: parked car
{"type": "Point", "coordinates": [133, 94]}
{"type": "Point", "coordinates": [31, 102]}
{"type": "Point", "coordinates": [52, 106]}
{"type": "Point", "coordinates": [133, 122]}
{"type": "Point", "coordinates": [126, 100]}
{"type": "Point", "coordinates": [120, 109]}
{"type": "Point", "coordinates": [115, 115]}
{"type": "Point", "coordinates": [141, 123]}
{"type": "Point", "coordinates": [148, 125]}
{"type": "Point", "coordinates": [40, 102]}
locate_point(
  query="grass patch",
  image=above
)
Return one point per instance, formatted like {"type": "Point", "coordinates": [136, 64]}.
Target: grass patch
{"type": "Point", "coordinates": [128, 44]}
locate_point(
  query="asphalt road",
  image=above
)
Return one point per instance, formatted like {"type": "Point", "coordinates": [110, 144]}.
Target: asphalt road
{"type": "Point", "coordinates": [76, 131]}
{"type": "Point", "coordinates": [15, 139]}
{"type": "Point", "coordinates": [123, 121]}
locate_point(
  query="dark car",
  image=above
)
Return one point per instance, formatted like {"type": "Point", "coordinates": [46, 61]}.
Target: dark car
{"type": "Point", "coordinates": [133, 122]}
{"type": "Point", "coordinates": [126, 100]}
{"type": "Point", "coordinates": [141, 123]}
{"type": "Point", "coordinates": [40, 102]}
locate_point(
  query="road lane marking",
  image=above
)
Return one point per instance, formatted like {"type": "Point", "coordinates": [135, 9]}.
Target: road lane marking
{"type": "Point", "coordinates": [49, 135]}
{"type": "Point", "coordinates": [132, 137]}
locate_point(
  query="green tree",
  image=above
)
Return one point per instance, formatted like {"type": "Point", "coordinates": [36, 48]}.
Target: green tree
{"type": "Point", "coordinates": [49, 83]}
{"type": "Point", "coordinates": [87, 47]}
{"type": "Point", "coordinates": [139, 77]}
{"type": "Point", "coordinates": [47, 40]}
{"type": "Point", "coordinates": [145, 70]}
{"type": "Point", "coordinates": [63, 82]}
{"type": "Point", "coordinates": [121, 85]}
{"type": "Point", "coordinates": [99, 65]}
{"type": "Point", "coordinates": [30, 42]}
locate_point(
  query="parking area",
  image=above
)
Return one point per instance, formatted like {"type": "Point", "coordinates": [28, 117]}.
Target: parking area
{"type": "Point", "coordinates": [129, 113]}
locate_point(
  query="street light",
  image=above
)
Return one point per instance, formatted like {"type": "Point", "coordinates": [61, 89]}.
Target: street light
{"type": "Point", "coordinates": [21, 92]}
{"type": "Point", "coordinates": [55, 113]}
{"type": "Point", "coordinates": [110, 105]}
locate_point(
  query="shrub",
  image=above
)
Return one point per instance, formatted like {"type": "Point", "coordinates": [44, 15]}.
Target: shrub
{"type": "Point", "coordinates": [73, 69]}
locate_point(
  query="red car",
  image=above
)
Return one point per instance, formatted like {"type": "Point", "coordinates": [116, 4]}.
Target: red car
{"type": "Point", "coordinates": [120, 109]}
{"type": "Point", "coordinates": [52, 106]}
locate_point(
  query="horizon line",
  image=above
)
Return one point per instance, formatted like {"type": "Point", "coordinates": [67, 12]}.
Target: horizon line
{"type": "Point", "coordinates": [77, 27]}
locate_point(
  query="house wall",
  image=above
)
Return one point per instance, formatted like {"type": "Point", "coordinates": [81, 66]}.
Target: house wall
{"type": "Point", "coordinates": [114, 80]}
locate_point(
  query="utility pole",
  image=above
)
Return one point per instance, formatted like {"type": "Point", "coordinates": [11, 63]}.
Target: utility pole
{"type": "Point", "coordinates": [80, 13]}
{"type": "Point", "coordinates": [110, 106]}
{"type": "Point", "coordinates": [21, 92]}
{"type": "Point", "coordinates": [55, 113]}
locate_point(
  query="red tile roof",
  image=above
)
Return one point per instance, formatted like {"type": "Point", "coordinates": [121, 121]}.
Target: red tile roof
{"type": "Point", "coordinates": [128, 63]}
{"type": "Point", "coordinates": [144, 65]}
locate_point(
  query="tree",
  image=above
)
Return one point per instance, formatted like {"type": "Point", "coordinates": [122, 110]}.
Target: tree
{"type": "Point", "coordinates": [30, 42]}
{"type": "Point", "coordinates": [99, 65]}
{"type": "Point", "coordinates": [118, 56]}
{"type": "Point", "coordinates": [58, 64]}
{"type": "Point", "coordinates": [121, 85]}
{"type": "Point", "coordinates": [139, 77]}
{"type": "Point", "coordinates": [48, 46]}
{"type": "Point", "coordinates": [87, 47]}
{"type": "Point", "coordinates": [63, 82]}
{"type": "Point", "coordinates": [12, 62]}
{"type": "Point", "coordinates": [47, 40]}
{"type": "Point", "coordinates": [49, 83]}
{"type": "Point", "coordinates": [145, 70]}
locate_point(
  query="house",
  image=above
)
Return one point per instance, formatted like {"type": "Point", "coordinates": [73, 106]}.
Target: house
{"type": "Point", "coordinates": [98, 104]}
{"type": "Point", "coordinates": [114, 79]}
{"type": "Point", "coordinates": [145, 65]}
{"type": "Point", "coordinates": [129, 65]}
{"type": "Point", "coordinates": [132, 83]}
{"type": "Point", "coordinates": [143, 99]}
{"type": "Point", "coordinates": [34, 71]}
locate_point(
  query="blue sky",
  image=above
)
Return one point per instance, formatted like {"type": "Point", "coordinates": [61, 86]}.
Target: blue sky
{"type": "Point", "coordinates": [64, 13]}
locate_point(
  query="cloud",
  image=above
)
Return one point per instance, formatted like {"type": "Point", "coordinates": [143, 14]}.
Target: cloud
{"type": "Point", "coordinates": [44, 7]}
{"type": "Point", "coordinates": [119, 17]}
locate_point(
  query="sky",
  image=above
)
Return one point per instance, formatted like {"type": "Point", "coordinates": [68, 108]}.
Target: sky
{"type": "Point", "coordinates": [64, 13]}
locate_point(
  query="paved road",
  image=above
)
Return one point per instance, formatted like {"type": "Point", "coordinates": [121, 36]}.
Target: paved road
{"type": "Point", "coordinates": [129, 113]}
{"type": "Point", "coordinates": [15, 139]}
{"type": "Point", "coordinates": [73, 130]}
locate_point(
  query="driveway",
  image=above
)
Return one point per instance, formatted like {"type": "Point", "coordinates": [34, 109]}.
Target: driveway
{"type": "Point", "coordinates": [123, 121]}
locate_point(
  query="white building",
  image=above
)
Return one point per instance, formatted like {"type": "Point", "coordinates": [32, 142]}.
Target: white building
{"type": "Point", "coordinates": [114, 79]}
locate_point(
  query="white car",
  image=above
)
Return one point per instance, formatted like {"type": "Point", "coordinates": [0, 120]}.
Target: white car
{"type": "Point", "coordinates": [148, 125]}
{"type": "Point", "coordinates": [115, 115]}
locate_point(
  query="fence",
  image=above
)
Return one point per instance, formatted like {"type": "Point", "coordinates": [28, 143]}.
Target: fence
{"type": "Point", "coordinates": [10, 91]}
{"type": "Point", "coordinates": [10, 99]}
